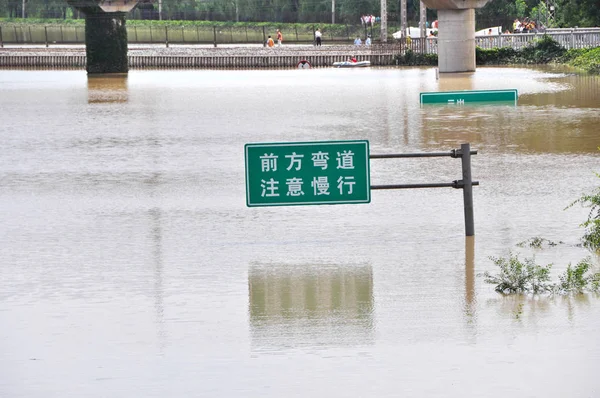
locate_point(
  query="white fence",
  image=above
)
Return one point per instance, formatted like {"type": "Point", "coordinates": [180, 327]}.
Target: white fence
{"type": "Point", "coordinates": [568, 38]}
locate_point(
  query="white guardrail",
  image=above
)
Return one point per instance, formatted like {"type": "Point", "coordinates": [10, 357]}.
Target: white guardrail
{"type": "Point", "coordinates": [568, 38]}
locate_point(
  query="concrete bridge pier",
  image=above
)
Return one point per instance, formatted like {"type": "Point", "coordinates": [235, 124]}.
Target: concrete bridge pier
{"type": "Point", "coordinates": [456, 40]}
{"type": "Point", "coordinates": [456, 33]}
{"type": "Point", "coordinates": [106, 43]}
{"type": "Point", "coordinates": [105, 34]}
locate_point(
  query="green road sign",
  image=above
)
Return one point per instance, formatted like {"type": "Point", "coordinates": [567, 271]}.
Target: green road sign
{"type": "Point", "coordinates": [468, 97]}
{"type": "Point", "coordinates": [307, 173]}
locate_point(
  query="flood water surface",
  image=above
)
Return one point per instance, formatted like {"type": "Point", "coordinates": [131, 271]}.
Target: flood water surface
{"type": "Point", "coordinates": [131, 266]}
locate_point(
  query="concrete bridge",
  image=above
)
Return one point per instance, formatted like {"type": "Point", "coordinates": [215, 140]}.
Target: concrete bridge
{"type": "Point", "coordinates": [106, 35]}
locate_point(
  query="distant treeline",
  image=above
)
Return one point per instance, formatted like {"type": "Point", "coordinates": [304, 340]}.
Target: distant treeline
{"type": "Point", "coordinates": [559, 13]}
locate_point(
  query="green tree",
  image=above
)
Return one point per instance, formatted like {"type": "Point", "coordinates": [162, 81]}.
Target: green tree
{"type": "Point", "coordinates": [521, 8]}
{"type": "Point", "coordinates": [496, 13]}
{"type": "Point", "coordinates": [583, 13]}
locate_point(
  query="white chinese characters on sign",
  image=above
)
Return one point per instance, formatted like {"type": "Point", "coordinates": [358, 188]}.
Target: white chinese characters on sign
{"type": "Point", "coordinates": [320, 159]}
{"type": "Point", "coordinates": [320, 186]}
{"type": "Point", "coordinates": [269, 188]}
{"type": "Point", "coordinates": [345, 160]}
{"type": "Point", "coordinates": [294, 159]}
{"type": "Point", "coordinates": [294, 187]}
{"type": "Point", "coordinates": [268, 162]}
{"type": "Point", "coordinates": [347, 182]}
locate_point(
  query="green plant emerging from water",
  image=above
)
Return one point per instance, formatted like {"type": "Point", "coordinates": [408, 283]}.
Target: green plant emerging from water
{"type": "Point", "coordinates": [526, 276]}
{"type": "Point", "coordinates": [536, 242]}
{"type": "Point", "coordinates": [591, 236]}
{"type": "Point", "coordinates": [518, 276]}
{"type": "Point", "coordinates": [577, 279]}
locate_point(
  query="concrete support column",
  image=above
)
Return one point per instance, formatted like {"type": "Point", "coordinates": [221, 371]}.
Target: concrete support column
{"type": "Point", "coordinates": [422, 20]}
{"type": "Point", "coordinates": [403, 21]}
{"type": "Point", "coordinates": [456, 40]}
{"type": "Point", "coordinates": [106, 42]}
{"type": "Point", "coordinates": [383, 21]}
{"type": "Point", "coordinates": [105, 33]}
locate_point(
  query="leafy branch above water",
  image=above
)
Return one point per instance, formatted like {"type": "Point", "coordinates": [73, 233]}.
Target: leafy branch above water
{"type": "Point", "coordinates": [516, 276]}
{"type": "Point", "coordinates": [537, 242]}
{"type": "Point", "coordinates": [591, 237]}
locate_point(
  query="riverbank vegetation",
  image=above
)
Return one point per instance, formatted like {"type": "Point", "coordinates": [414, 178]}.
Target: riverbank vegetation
{"type": "Point", "coordinates": [587, 59]}
{"type": "Point", "coordinates": [411, 58]}
{"type": "Point", "coordinates": [542, 51]}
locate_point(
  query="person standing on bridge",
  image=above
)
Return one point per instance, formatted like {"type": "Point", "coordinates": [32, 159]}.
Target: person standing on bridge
{"type": "Point", "coordinates": [279, 38]}
{"type": "Point", "coordinates": [318, 37]}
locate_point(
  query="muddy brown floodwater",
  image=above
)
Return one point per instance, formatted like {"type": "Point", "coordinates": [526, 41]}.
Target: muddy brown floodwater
{"type": "Point", "coordinates": [131, 266]}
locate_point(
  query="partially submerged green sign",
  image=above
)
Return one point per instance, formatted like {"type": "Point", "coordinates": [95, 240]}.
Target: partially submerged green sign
{"type": "Point", "coordinates": [307, 173]}
{"type": "Point", "coordinates": [468, 97]}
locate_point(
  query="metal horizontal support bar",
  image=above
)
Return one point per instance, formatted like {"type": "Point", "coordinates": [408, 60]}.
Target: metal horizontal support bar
{"type": "Point", "coordinates": [453, 154]}
{"type": "Point", "coordinates": [454, 184]}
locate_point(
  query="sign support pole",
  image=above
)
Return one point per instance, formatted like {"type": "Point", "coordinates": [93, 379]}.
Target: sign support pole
{"type": "Point", "coordinates": [467, 181]}
{"type": "Point", "coordinates": [466, 184]}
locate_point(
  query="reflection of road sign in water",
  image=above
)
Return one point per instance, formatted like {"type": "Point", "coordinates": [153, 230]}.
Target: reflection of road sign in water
{"type": "Point", "coordinates": [467, 97]}
{"type": "Point", "coordinates": [307, 173]}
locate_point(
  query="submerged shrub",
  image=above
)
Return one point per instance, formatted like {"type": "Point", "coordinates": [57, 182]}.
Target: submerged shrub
{"type": "Point", "coordinates": [591, 236]}
{"type": "Point", "coordinates": [536, 242]}
{"type": "Point", "coordinates": [518, 276]}
{"type": "Point", "coordinates": [525, 276]}
{"type": "Point", "coordinates": [577, 280]}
